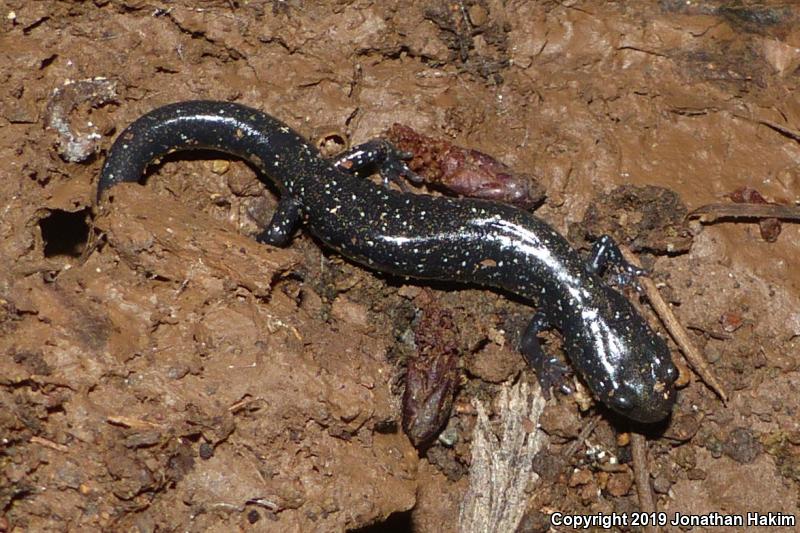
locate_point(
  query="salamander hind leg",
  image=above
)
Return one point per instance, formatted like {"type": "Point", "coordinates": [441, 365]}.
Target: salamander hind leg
{"type": "Point", "coordinates": [549, 370]}
{"type": "Point", "coordinates": [382, 156]}
{"type": "Point", "coordinates": [606, 253]}
{"type": "Point", "coordinates": [283, 224]}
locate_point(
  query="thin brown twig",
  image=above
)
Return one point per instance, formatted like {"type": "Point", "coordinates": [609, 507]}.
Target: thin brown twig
{"type": "Point", "coordinates": [641, 475]}
{"type": "Point", "coordinates": [712, 212]}
{"type": "Point", "coordinates": [714, 334]}
{"type": "Point", "coordinates": [780, 128]}
{"type": "Point", "coordinates": [131, 422]}
{"type": "Point", "coordinates": [587, 430]}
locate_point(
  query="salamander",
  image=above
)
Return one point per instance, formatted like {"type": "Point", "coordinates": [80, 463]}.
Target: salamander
{"type": "Point", "coordinates": [625, 364]}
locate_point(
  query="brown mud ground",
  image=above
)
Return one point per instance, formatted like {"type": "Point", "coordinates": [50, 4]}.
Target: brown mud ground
{"type": "Point", "coordinates": [160, 370]}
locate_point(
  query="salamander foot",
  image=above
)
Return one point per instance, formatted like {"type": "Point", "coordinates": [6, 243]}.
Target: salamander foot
{"type": "Point", "coordinates": [382, 156]}
{"type": "Point", "coordinates": [550, 372]}
{"type": "Point", "coordinates": [606, 253]}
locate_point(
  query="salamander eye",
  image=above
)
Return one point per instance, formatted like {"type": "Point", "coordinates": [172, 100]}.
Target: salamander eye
{"type": "Point", "coordinates": [670, 374]}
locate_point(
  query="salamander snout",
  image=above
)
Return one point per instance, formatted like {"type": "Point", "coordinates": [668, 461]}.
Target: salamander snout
{"type": "Point", "coordinates": [644, 401]}
{"type": "Point", "coordinates": [646, 392]}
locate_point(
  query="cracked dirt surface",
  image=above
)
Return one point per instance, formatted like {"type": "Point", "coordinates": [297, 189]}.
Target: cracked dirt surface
{"type": "Point", "coordinates": [161, 370]}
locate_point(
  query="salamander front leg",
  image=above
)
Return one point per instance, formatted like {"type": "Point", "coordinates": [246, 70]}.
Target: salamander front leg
{"type": "Point", "coordinates": [605, 253]}
{"type": "Point", "coordinates": [285, 220]}
{"type": "Point", "coordinates": [380, 155]}
{"type": "Point", "coordinates": [549, 370]}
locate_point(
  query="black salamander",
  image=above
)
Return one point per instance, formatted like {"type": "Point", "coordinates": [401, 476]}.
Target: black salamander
{"type": "Point", "coordinates": [625, 364]}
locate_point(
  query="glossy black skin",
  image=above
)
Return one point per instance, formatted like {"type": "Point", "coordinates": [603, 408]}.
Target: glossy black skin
{"type": "Point", "coordinates": [624, 363]}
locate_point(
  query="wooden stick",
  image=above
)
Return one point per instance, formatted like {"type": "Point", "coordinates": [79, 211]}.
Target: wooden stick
{"type": "Point", "coordinates": [713, 212]}
{"type": "Point", "coordinates": [641, 475]}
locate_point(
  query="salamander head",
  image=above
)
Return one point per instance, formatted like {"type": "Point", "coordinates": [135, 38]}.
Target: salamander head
{"type": "Point", "coordinates": [626, 364]}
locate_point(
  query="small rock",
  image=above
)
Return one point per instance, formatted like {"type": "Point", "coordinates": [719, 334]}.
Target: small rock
{"type": "Point", "coordinates": [220, 166]}
{"type": "Point", "coordinates": [682, 428]}
{"type": "Point", "coordinates": [742, 446]}
{"type": "Point", "coordinates": [662, 484]}
{"type": "Point", "coordinates": [619, 484]}
{"type": "Point", "coordinates": [206, 451]}
{"type": "Point", "coordinates": [580, 477]}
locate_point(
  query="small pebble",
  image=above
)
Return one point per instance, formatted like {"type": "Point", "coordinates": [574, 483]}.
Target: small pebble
{"type": "Point", "coordinates": [220, 166]}
{"type": "Point", "coordinates": [206, 451]}
{"type": "Point", "coordinates": [742, 446]}
{"type": "Point", "coordinates": [661, 484]}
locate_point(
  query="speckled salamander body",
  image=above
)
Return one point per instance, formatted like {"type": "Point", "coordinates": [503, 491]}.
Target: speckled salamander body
{"type": "Point", "coordinates": [625, 364]}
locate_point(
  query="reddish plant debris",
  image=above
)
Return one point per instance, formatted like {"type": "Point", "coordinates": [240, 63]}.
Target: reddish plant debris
{"type": "Point", "coordinates": [464, 171]}
{"type": "Point", "coordinates": [432, 376]}
{"type": "Point", "coordinates": [770, 227]}
{"type": "Point", "coordinates": [731, 321]}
